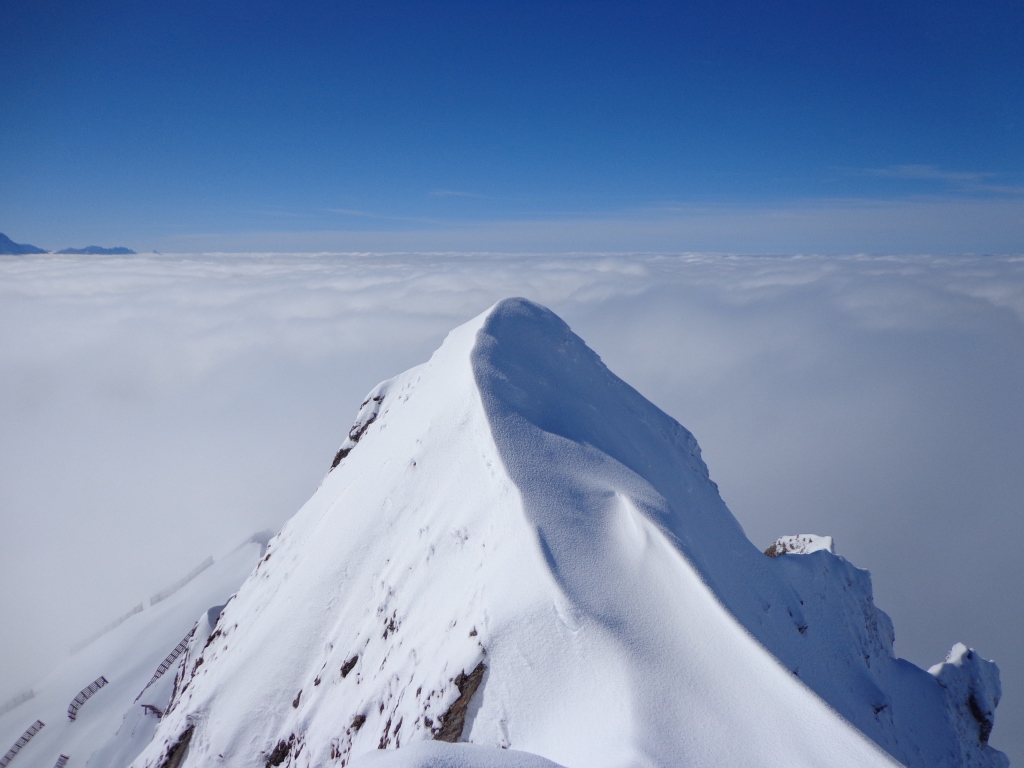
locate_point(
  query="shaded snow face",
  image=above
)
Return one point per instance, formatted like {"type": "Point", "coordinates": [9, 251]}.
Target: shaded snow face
{"type": "Point", "coordinates": [518, 550]}
{"type": "Point", "coordinates": [598, 464]}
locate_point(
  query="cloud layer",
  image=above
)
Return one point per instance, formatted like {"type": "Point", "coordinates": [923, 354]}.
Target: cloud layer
{"type": "Point", "coordinates": [158, 409]}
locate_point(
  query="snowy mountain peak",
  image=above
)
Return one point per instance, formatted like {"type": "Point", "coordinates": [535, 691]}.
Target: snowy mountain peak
{"type": "Point", "coordinates": [516, 549]}
{"type": "Point", "coordinates": [801, 544]}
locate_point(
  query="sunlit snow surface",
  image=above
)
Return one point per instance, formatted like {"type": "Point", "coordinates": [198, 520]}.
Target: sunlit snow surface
{"type": "Point", "coordinates": [853, 353]}
{"type": "Point", "coordinates": [513, 503]}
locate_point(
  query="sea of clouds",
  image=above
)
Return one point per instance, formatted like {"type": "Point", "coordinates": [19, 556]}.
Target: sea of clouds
{"type": "Point", "coordinates": [159, 409]}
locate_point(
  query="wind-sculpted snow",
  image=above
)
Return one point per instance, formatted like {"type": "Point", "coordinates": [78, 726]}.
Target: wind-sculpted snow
{"type": "Point", "coordinates": [800, 544]}
{"type": "Point", "coordinates": [972, 694]}
{"type": "Point", "coordinates": [515, 549]}
{"type": "Point", "coordinates": [602, 461]}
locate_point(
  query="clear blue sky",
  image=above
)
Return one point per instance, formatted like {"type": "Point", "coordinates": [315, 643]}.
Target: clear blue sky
{"type": "Point", "coordinates": [144, 123]}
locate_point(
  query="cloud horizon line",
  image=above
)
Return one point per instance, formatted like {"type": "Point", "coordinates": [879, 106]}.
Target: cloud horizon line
{"type": "Point", "coordinates": [920, 224]}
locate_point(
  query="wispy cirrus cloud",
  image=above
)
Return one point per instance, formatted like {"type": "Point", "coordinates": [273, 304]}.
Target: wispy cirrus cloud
{"type": "Point", "coordinates": [355, 213]}
{"type": "Point", "coordinates": [456, 193]}
{"type": "Point", "coordinates": [949, 223]}
{"type": "Point", "coordinates": [275, 213]}
{"type": "Point", "coordinates": [930, 173]}
{"type": "Point", "coordinates": [977, 182]}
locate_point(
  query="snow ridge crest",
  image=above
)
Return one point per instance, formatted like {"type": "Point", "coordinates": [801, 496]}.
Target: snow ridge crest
{"type": "Point", "coordinates": [514, 538]}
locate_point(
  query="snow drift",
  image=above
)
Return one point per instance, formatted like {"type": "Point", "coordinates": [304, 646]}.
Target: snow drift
{"type": "Point", "coordinates": [514, 548]}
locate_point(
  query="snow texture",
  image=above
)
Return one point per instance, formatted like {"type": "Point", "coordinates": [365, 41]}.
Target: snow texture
{"type": "Point", "coordinates": [801, 544]}
{"type": "Point", "coordinates": [512, 512]}
{"type": "Point", "coordinates": [432, 754]}
{"type": "Point", "coordinates": [972, 694]}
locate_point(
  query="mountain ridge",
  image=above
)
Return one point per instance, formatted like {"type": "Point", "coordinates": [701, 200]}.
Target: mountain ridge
{"type": "Point", "coordinates": [512, 507]}
{"type": "Point", "coordinates": [97, 250]}
{"type": "Point", "coordinates": [10, 248]}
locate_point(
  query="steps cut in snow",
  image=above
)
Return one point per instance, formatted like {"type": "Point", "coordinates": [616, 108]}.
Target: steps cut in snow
{"type": "Point", "coordinates": [101, 706]}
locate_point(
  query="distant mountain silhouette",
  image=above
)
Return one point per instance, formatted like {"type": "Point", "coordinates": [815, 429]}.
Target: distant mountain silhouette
{"type": "Point", "coordinates": [98, 250]}
{"type": "Point", "coordinates": [8, 247]}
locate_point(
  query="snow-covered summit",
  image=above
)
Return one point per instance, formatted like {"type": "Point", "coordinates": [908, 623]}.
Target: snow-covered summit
{"type": "Point", "coordinates": [800, 544]}
{"type": "Point", "coordinates": [514, 548]}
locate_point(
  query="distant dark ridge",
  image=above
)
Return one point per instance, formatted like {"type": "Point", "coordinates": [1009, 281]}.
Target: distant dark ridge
{"type": "Point", "coordinates": [10, 248]}
{"type": "Point", "coordinates": [98, 250]}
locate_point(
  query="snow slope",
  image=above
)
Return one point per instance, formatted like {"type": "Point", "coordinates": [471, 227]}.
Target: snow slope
{"type": "Point", "coordinates": [438, 754]}
{"type": "Point", "coordinates": [111, 727]}
{"type": "Point", "coordinates": [514, 548]}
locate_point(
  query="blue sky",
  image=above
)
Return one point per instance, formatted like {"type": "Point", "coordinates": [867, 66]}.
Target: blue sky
{"type": "Point", "coordinates": [229, 124]}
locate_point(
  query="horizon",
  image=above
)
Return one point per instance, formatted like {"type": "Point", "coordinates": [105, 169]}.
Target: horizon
{"type": "Point", "coordinates": [390, 126]}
